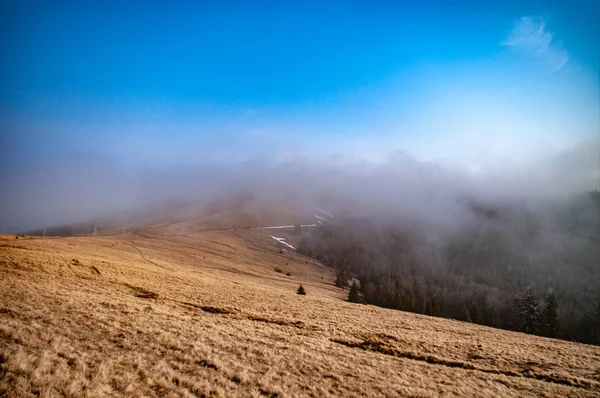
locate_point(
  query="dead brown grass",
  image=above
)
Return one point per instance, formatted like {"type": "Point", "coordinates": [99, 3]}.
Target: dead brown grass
{"type": "Point", "coordinates": [203, 314]}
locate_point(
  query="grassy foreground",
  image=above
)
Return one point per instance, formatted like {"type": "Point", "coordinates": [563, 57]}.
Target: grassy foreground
{"type": "Point", "coordinates": [206, 314]}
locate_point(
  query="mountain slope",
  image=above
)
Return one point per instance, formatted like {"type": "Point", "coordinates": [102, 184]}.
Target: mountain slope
{"type": "Point", "coordinates": [148, 313]}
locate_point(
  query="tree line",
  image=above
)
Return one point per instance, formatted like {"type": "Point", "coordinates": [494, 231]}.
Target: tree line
{"type": "Point", "coordinates": [513, 276]}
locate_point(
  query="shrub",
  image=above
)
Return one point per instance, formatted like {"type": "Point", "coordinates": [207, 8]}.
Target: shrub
{"type": "Point", "coordinates": [277, 269]}
{"type": "Point", "coordinates": [301, 291]}
{"type": "Point", "coordinates": [288, 274]}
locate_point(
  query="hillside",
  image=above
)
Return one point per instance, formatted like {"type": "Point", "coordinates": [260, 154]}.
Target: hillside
{"type": "Point", "coordinates": [167, 309]}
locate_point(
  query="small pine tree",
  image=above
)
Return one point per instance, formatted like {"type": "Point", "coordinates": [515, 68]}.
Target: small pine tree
{"type": "Point", "coordinates": [549, 316]}
{"type": "Point", "coordinates": [301, 291]}
{"type": "Point", "coordinates": [353, 295]}
{"type": "Point", "coordinates": [528, 306]}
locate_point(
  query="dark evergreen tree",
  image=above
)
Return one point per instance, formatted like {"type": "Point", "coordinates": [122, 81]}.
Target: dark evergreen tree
{"type": "Point", "coordinates": [550, 316]}
{"type": "Point", "coordinates": [528, 307]}
{"type": "Point", "coordinates": [301, 291]}
{"type": "Point", "coordinates": [353, 295]}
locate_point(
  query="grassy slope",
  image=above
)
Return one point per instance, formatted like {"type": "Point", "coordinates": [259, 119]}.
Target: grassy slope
{"type": "Point", "coordinates": [204, 313]}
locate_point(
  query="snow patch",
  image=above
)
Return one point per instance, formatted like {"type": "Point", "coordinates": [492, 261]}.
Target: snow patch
{"type": "Point", "coordinates": [282, 241]}
{"type": "Point", "coordinates": [320, 218]}
{"type": "Point", "coordinates": [324, 212]}
{"type": "Point", "coordinates": [275, 227]}
{"type": "Point", "coordinates": [286, 226]}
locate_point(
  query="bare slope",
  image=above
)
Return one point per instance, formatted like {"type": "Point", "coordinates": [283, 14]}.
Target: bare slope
{"type": "Point", "coordinates": [168, 312]}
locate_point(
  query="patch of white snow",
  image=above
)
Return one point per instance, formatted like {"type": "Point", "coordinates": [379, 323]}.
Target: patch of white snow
{"type": "Point", "coordinates": [324, 212]}
{"type": "Point", "coordinates": [282, 241]}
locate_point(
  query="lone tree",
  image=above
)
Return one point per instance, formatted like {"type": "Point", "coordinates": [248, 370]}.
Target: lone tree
{"type": "Point", "coordinates": [549, 316]}
{"type": "Point", "coordinates": [301, 291]}
{"type": "Point", "coordinates": [528, 306]}
{"type": "Point", "coordinates": [353, 295]}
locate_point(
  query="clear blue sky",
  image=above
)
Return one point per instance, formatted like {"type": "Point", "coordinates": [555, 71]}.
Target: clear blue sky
{"type": "Point", "coordinates": [157, 83]}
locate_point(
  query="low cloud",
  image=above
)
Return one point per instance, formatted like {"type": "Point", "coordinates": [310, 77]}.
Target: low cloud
{"type": "Point", "coordinates": [80, 188]}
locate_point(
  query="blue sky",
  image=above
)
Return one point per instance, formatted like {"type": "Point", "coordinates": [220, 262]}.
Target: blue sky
{"type": "Point", "coordinates": [150, 82]}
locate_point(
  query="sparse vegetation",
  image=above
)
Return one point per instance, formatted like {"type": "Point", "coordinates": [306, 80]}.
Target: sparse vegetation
{"type": "Point", "coordinates": [159, 319]}
{"type": "Point", "coordinates": [429, 169]}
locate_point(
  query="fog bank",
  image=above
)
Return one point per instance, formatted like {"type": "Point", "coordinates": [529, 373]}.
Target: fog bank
{"type": "Point", "coordinates": [77, 188]}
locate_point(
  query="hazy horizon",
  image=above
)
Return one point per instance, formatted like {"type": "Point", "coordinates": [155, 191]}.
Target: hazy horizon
{"type": "Point", "coordinates": [105, 107]}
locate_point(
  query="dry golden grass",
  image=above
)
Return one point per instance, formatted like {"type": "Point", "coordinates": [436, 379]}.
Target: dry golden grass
{"type": "Point", "coordinates": [162, 312]}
